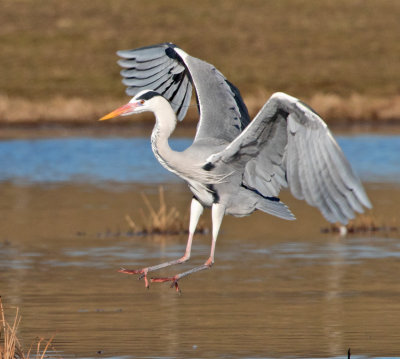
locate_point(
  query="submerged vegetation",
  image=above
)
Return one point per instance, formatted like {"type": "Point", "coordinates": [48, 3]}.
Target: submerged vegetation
{"type": "Point", "coordinates": [10, 345]}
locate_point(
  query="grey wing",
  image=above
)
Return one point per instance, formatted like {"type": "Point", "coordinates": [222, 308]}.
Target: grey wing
{"type": "Point", "coordinates": [170, 71]}
{"type": "Point", "coordinates": [223, 114]}
{"type": "Point", "coordinates": [157, 68]}
{"type": "Point", "coordinates": [288, 144]}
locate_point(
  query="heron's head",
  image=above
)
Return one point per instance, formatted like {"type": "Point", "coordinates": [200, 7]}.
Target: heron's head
{"type": "Point", "coordinates": [143, 101]}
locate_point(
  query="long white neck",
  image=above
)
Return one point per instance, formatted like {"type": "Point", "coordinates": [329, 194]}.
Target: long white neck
{"type": "Point", "coordinates": [165, 125]}
{"type": "Point", "coordinates": [176, 162]}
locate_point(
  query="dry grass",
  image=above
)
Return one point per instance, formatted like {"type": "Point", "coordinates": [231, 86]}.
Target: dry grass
{"type": "Point", "coordinates": [58, 59]}
{"type": "Point", "coordinates": [164, 220]}
{"type": "Point", "coordinates": [363, 223]}
{"type": "Point", "coordinates": [355, 109]}
{"type": "Point", "coordinates": [54, 109]}
{"type": "Point", "coordinates": [10, 345]}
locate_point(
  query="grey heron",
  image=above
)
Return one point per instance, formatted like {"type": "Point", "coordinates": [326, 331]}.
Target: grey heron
{"type": "Point", "coordinates": [234, 165]}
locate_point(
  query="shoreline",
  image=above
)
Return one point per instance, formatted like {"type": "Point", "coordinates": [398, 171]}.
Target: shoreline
{"type": "Point", "coordinates": [126, 129]}
{"type": "Point", "coordinates": [63, 116]}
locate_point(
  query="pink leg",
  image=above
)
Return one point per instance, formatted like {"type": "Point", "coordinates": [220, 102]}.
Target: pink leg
{"type": "Point", "coordinates": [196, 210]}
{"type": "Point", "coordinates": [218, 211]}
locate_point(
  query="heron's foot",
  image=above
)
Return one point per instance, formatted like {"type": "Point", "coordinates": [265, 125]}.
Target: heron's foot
{"type": "Point", "coordinates": [177, 277]}
{"type": "Point", "coordinates": [143, 274]}
{"type": "Point", "coordinates": [173, 279]}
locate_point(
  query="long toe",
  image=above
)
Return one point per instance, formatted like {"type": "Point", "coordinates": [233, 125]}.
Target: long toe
{"type": "Point", "coordinates": [131, 271]}
{"type": "Point", "coordinates": [142, 272]}
{"type": "Point", "coordinates": [173, 279]}
{"type": "Point", "coordinates": [163, 279]}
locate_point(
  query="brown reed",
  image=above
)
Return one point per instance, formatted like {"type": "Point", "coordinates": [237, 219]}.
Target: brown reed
{"type": "Point", "coordinates": [161, 220]}
{"type": "Point", "coordinates": [10, 345]}
{"type": "Point", "coordinates": [363, 223]}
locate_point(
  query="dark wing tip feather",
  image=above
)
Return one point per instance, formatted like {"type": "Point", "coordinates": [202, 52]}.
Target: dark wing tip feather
{"type": "Point", "coordinates": [157, 68]}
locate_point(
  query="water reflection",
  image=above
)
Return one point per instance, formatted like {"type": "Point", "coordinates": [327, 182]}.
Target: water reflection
{"type": "Point", "coordinates": [280, 289]}
{"type": "Point", "coordinates": [349, 250]}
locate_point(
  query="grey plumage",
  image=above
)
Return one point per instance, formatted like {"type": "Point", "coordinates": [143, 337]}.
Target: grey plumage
{"type": "Point", "coordinates": [160, 68]}
{"type": "Point", "coordinates": [236, 166]}
{"type": "Point", "coordinates": [286, 145]}
{"type": "Point", "coordinates": [154, 67]}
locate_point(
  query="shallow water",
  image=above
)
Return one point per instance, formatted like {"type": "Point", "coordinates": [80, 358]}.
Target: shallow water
{"type": "Point", "coordinates": [375, 157]}
{"type": "Point", "coordinates": [277, 289]}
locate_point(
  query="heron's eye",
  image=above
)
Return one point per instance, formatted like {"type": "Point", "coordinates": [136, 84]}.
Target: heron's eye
{"type": "Point", "coordinates": [141, 102]}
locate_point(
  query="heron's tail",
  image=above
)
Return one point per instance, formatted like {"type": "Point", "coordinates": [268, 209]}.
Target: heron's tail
{"type": "Point", "coordinates": [274, 206]}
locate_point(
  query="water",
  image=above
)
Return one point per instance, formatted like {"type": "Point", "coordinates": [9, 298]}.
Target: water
{"type": "Point", "coordinates": [83, 160]}
{"type": "Point", "coordinates": [375, 158]}
{"type": "Point", "coordinates": [278, 289]}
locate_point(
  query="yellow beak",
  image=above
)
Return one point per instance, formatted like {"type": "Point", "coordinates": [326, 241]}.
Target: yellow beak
{"type": "Point", "coordinates": [118, 112]}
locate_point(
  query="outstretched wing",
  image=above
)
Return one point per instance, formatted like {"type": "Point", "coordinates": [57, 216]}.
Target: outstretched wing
{"type": "Point", "coordinates": [288, 144]}
{"type": "Point", "coordinates": [157, 68]}
{"type": "Point", "coordinates": [171, 72]}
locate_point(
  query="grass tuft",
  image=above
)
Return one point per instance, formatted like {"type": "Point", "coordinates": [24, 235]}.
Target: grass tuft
{"type": "Point", "coordinates": [10, 345]}
{"type": "Point", "coordinates": [164, 220]}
